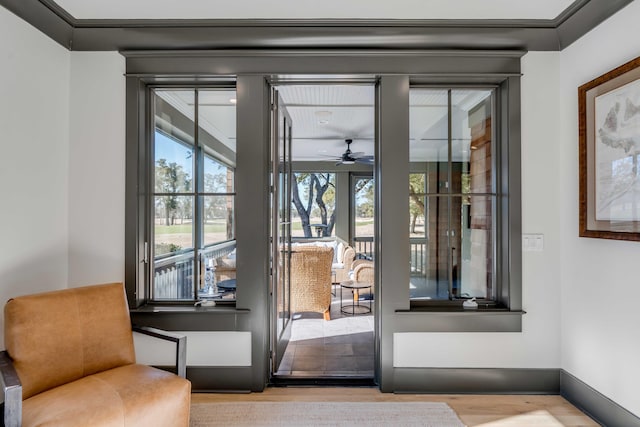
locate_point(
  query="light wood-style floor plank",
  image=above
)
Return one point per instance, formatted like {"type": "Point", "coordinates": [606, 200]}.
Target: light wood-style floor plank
{"type": "Point", "coordinates": [473, 410]}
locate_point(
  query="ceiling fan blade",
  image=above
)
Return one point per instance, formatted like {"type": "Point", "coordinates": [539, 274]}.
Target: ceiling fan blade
{"type": "Point", "coordinates": [366, 160]}
{"type": "Point", "coordinates": [329, 156]}
{"type": "Point", "coordinates": [358, 154]}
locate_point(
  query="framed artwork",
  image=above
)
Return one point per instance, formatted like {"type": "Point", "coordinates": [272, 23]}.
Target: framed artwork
{"type": "Point", "coordinates": [609, 154]}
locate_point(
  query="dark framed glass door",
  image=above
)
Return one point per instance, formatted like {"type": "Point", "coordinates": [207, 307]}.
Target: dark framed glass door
{"type": "Point", "coordinates": [280, 228]}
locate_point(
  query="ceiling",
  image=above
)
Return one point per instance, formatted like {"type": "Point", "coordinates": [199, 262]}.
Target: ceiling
{"type": "Point", "coordinates": [324, 116]}
{"type": "Point", "coordinates": [313, 9]}
{"type": "Point", "coordinates": [145, 25]}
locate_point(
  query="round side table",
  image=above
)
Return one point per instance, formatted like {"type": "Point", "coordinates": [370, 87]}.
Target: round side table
{"type": "Point", "coordinates": [355, 307]}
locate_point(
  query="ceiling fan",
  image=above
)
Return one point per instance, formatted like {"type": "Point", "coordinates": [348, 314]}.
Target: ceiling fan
{"type": "Point", "coordinates": [349, 157]}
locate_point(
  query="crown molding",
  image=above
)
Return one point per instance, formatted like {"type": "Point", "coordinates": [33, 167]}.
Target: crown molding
{"type": "Point", "coordinates": [143, 34]}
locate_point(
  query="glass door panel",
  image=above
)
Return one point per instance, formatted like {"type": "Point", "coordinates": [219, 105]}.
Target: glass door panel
{"type": "Point", "coordinates": [281, 229]}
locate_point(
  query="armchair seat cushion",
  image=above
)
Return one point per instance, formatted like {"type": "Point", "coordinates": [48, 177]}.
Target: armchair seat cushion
{"type": "Point", "coordinates": [125, 396]}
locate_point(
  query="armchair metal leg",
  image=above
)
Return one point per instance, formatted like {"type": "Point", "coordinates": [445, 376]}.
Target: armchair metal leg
{"type": "Point", "coordinates": [181, 345]}
{"type": "Point", "coordinates": [12, 389]}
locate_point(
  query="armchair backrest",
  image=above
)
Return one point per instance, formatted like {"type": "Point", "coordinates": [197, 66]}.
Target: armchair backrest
{"type": "Point", "coordinates": [348, 256]}
{"type": "Point", "coordinates": [364, 271]}
{"type": "Point", "coordinates": [311, 278]}
{"type": "Point", "coordinates": [57, 337]}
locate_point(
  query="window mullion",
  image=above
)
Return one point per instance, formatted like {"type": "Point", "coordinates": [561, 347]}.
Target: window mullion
{"type": "Point", "coordinates": [197, 203]}
{"type": "Point", "coordinates": [448, 197]}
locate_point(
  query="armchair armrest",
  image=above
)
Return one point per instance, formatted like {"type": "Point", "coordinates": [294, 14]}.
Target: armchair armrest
{"type": "Point", "coordinates": [181, 345]}
{"type": "Point", "coordinates": [12, 389]}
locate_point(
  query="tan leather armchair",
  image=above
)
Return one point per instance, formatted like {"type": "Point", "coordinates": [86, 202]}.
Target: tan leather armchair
{"type": "Point", "coordinates": [70, 361]}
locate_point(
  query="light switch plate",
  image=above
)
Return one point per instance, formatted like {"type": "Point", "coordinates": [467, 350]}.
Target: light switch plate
{"type": "Point", "coordinates": [532, 242]}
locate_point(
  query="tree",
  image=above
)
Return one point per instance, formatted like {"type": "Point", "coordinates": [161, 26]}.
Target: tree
{"type": "Point", "coordinates": [365, 197]}
{"type": "Point", "coordinates": [170, 179]}
{"type": "Point", "coordinates": [416, 198]}
{"type": "Point", "coordinates": [320, 188]}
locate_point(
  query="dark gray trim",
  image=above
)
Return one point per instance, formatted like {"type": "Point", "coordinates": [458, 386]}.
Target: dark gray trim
{"type": "Point", "coordinates": [458, 321]}
{"type": "Point", "coordinates": [528, 34]}
{"type": "Point", "coordinates": [136, 269]}
{"type": "Point", "coordinates": [575, 24]}
{"type": "Point", "coordinates": [252, 236]}
{"type": "Point", "coordinates": [476, 380]}
{"type": "Point", "coordinates": [430, 65]}
{"type": "Point", "coordinates": [221, 378]}
{"type": "Point", "coordinates": [453, 35]}
{"type": "Point", "coordinates": [391, 216]}
{"type": "Point", "coordinates": [510, 206]}
{"type": "Point", "coordinates": [595, 404]}
{"type": "Point", "coordinates": [198, 319]}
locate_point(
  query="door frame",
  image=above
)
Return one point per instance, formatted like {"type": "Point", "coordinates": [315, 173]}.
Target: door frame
{"type": "Point", "coordinates": [328, 79]}
{"type": "Point", "coordinates": [280, 270]}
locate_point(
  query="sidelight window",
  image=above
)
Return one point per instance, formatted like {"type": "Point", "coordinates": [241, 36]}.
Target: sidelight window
{"type": "Point", "coordinates": [452, 194]}
{"type": "Point", "coordinates": [193, 202]}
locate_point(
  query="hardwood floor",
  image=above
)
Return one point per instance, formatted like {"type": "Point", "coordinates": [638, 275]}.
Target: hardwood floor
{"type": "Point", "coordinates": [473, 410]}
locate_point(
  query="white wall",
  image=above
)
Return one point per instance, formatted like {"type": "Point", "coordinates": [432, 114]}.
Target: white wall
{"type": "Point", "coordinates": [96, 168]}
{"type": "Point", "coordinates": [600, 315]}
{"type": "Point", "coordinates": [221, 348]}
{"type": "Point", "coordinates": [34, 146]}
{"type": "Point", "coordinates": [538, 346]}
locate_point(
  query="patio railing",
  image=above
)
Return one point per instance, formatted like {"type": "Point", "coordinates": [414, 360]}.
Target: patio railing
{"type": "Point", "coordinates": [365, 249]}
{"type": "Point", "coordinates": [173, 276]}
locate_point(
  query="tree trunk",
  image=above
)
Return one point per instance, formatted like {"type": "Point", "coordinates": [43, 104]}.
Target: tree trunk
{"type": "Point", "coordinates": [320, 190]}
{"type": "Point", "coordinates": [302, 212]}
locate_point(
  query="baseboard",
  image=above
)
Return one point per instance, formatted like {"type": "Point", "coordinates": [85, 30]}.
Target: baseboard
{"type": "Point", "coordinates": [476, 380]}
{"type": "Point", "coordinates": [219, 379]}
{"type": "Point", "coordinates": [293, 381]}
{"type": "Point", "coordinates": [595, 404]}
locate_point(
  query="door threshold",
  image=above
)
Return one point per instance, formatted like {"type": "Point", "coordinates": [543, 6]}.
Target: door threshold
{"type": "Point", "coordinates": [336, 381]}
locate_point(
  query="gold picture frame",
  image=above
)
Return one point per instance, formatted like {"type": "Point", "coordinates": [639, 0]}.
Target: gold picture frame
{"type": "Point", "coordinates": [609, 154]}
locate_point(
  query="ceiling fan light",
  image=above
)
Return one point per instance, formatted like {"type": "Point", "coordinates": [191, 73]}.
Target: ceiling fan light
{"type": "Point", "coordinates": [348, 162]}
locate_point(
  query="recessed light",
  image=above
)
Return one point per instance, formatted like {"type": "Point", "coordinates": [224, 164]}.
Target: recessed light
{"type": "Point", "coordinates": [233, 100]}
{"type": "Point", "coordinates": [323, 116]}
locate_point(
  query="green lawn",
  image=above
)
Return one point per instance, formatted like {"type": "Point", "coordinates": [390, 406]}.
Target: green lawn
{"type": "Point", "coordinates": [222, 227]}
{"type": "Point", "coordinates": [187, 228]}
{"type": "Point", "coordinates": [297, 225]}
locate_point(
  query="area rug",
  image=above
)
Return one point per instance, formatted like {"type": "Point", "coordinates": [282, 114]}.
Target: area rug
{"type": "Point", "coordinates": [303, 414]}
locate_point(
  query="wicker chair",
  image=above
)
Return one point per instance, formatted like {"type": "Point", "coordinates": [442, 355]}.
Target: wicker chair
{"type": "Point", "coordinates": [343, 267]}
{"type": "Point", "coordinates": [363, 271]}
{"type": "Point", "coordinates": [311, 279]}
